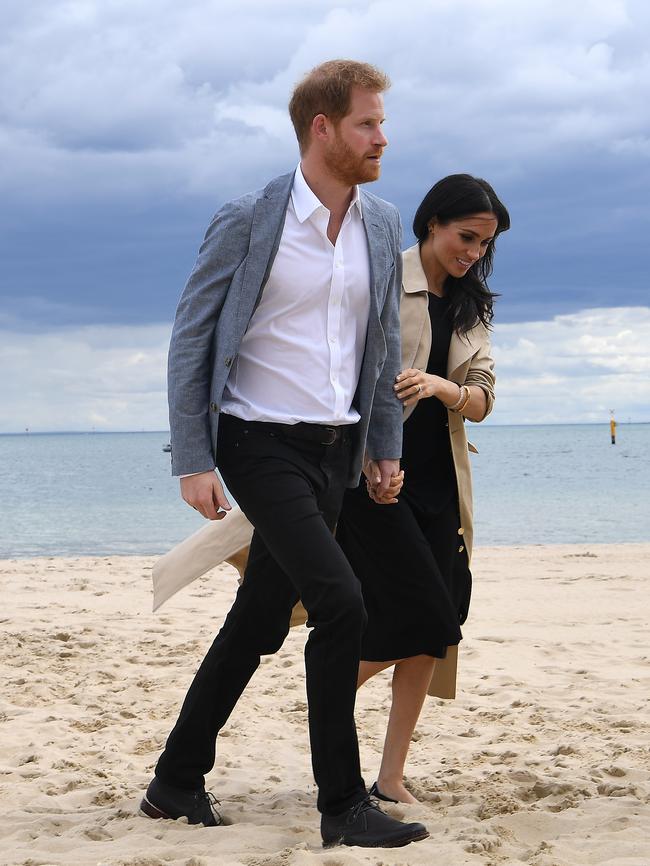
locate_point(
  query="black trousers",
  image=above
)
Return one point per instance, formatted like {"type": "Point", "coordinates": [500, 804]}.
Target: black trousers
{"type": "Point", "coordinates": [291, 490]}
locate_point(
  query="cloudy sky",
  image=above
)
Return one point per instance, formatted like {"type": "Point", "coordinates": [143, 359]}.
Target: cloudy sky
{"type": "Point", "coordinates": [124, 124]}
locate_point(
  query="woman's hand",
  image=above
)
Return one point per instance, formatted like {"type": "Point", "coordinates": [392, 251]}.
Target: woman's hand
{"type": "Point", "coordinates": [413, 385]}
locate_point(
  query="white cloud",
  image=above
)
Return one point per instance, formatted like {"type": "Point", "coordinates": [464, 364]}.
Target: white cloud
{"type": "Point", "coordinates": [574, 368]}
{"type": "Point", "coordinates": [570, 369]}
{"type": "Point", "coordinates": [109, 378]}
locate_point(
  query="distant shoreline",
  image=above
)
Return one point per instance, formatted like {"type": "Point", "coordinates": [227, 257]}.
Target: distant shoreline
{"type": "Point", "coordinates": [603, 423]}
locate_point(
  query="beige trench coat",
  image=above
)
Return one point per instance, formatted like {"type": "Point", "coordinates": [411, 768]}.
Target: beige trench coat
{"type": "Point", "coordinates": [469, 363]}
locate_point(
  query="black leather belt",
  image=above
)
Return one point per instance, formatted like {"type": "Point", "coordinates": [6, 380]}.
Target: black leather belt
{"type": "Point", "coordinates": [323, 434]}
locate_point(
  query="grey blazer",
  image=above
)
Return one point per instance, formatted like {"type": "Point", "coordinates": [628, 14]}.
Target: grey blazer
{"type": "Point", "coordinates": [220, 297]}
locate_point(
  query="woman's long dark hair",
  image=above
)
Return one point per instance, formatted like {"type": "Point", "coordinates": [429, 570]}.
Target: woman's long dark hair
{"type": "Point", "coordinates": [459, 196]}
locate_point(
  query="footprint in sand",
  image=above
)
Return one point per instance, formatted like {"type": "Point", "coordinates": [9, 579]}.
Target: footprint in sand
{"type": "Point", "coordinates": [609, 789]}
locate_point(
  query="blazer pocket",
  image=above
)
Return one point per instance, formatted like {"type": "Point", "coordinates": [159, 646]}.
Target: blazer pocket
{"type": "Point", "coordinates": [380, 346]}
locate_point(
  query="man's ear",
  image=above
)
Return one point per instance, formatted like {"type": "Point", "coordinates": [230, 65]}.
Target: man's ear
{"type": "Point", "coordinates": [320, 127]}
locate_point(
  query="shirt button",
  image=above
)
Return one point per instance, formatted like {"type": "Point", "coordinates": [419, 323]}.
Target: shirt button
{"type": "Point", "coordinates": [461, 531]}
{"type": "Point", "coordinates": [461, 549]}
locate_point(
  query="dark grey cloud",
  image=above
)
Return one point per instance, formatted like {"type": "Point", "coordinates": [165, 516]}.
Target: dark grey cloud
{"type": "Point", "coordinates": [124, 126]}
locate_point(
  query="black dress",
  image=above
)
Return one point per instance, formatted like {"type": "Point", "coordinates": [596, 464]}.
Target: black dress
{"type": "Point", "coordinates": [409, 556]}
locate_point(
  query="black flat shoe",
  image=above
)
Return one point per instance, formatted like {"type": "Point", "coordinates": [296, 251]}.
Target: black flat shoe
{"type": "Point", "coordinates": [364, 824]}
{"type": "Point", "coordinates": [165, 801]}
{"type": "Point", "coordinates": [375, 792]}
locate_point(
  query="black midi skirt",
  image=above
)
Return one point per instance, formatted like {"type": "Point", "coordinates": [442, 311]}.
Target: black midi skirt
{"type": "Point", "coordinates": [414, 573]}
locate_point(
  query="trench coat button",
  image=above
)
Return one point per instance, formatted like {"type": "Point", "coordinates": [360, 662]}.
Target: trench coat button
{"type": "Point", "coordinates": [461, 531]}
{"type": "Point", "coordinates": [228, 362]}
{"type": "Point", "coordinates": [461, 549]}
{"type": "Point", "coordinates": [214, 407]}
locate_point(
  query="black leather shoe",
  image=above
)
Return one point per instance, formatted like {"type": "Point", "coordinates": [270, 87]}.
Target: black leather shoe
{"type": "Point", "coordinates": [364, 824]}
{"type": "Point", "coordinates": [375, 792]}
{"type": "Point", "coordinates": [164, 801]}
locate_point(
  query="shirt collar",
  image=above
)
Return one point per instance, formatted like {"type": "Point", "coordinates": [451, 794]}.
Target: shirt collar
{"type": "Point", "coordinates": [305, 201]}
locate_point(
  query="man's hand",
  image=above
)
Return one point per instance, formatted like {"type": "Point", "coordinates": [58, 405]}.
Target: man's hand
{"type": "Point", "coordinates": [205, 493]}
{"type": "Point", "coordinates": [384, 480]}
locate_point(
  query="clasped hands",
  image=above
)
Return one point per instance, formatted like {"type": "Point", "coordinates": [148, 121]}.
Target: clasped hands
{"type": "Point", "coordinates": [384, 480]}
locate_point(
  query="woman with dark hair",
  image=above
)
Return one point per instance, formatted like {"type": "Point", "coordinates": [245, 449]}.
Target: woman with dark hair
{"type": "Point", "coordinates": [413, 556]}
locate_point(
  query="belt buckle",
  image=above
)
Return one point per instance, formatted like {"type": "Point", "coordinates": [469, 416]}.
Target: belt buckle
{"type": "Point", "coordinates": [330, 433]}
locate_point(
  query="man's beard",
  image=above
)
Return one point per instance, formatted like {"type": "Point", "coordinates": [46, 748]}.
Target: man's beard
{"type": "Point", "coordinates": [344, 164]}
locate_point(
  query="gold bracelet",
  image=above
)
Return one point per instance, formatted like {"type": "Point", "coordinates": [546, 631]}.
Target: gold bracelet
{"type": "Point", "coordinates": [468, 398]}
{"type": "Point", "coordinates": [465, 397]}
{"type": "Point", "coordinates": [458, 402]}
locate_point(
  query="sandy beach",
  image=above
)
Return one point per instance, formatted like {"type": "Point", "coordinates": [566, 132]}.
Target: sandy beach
{"type": "Point", "coordinates": [543, 759]}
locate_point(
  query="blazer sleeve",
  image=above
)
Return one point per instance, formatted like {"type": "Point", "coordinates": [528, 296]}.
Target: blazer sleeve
{"type": "Point", "coordinates": [190, 360]}
{"type": "Point", "coordinates": [481, 372]}
{"type": "Point", "coordinates": [385, 427]}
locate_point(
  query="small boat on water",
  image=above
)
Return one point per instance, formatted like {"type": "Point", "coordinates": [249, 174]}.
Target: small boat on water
{"type": "Point", "coordinates": [167, 448]}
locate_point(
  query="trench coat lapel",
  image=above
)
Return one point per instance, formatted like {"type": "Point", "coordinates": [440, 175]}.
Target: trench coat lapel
{"type": "Point", "coordinates": [416, 335]}
{"type": "Point", "coordinates": [414, 313]}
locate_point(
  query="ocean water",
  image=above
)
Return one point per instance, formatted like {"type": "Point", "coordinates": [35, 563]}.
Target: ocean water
{"type": "Point", "coordinates": [560, 484]}
{"type": "Point", "coordinates": [112, 493]}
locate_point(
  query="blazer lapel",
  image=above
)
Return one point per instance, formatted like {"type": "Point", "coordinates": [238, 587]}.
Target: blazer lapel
{"type": "Point", "coordinates": [266, 233]}
{"type": "Point", "coordinates": [381, 261]}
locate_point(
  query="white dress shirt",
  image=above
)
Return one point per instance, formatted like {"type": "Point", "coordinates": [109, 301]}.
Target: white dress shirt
{"type": "Point", "coordinates": [300, 358]}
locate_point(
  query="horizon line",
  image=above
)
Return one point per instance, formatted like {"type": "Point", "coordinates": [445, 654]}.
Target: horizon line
{"type": "Point", "coordinates": [92, 431]}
